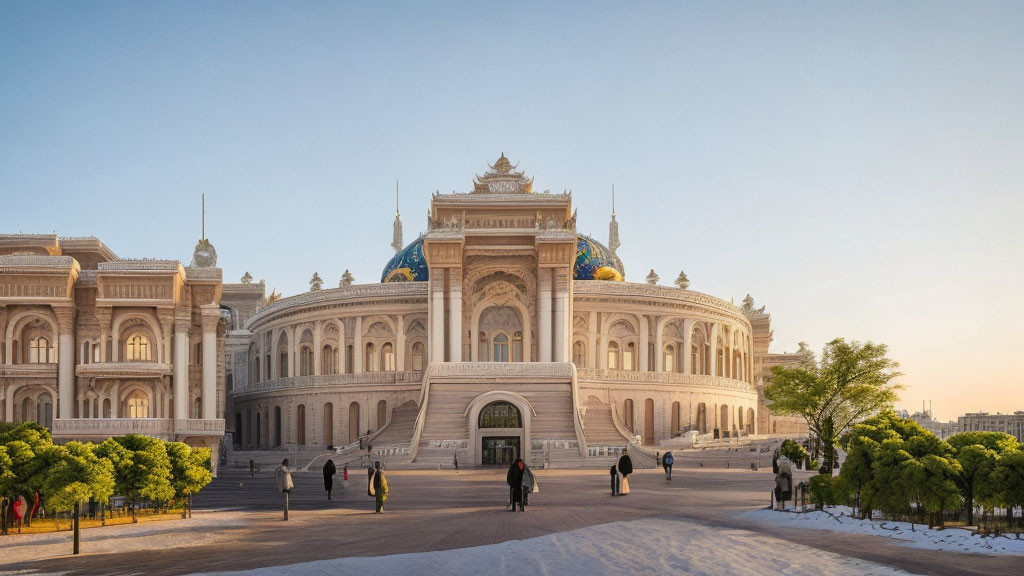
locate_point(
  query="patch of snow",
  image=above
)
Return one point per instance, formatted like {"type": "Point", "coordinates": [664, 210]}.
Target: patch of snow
{"type": "Point", "coordinates": [654, 546]}
{"type": "Point", "coordinates": [839, 519]}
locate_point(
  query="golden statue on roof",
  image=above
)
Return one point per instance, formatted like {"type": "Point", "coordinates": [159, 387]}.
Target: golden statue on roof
{"type": "Point", "coordinates": [502, 178]}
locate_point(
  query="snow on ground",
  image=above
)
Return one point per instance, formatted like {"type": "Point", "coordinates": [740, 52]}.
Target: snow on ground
{"type": "Point", "coordinates": [203, 528]}
{"type": "Point", "coordinates": [838, 519]}
{"type": "Point", "coordinates": [655, 546]}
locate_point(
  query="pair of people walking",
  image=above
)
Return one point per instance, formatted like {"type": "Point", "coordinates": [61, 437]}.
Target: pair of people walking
{"type": "Point", "coordinates": [620, 472]}
{"type": "Point", "coordinates": [521, 482]}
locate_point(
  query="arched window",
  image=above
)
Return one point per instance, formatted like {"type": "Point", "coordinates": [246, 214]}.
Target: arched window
{"type": "Point", "coordinates": [328, 424]}
{"type": "Point", "coordinates": [39, 351]}
{"type": "Point", "coordinates": [350, 359]}
{"type": "Point", "coordinates": [675, 420]}
{"type": "Point", "coordinates": [670, 358]}
{"type": "Point", "coordinates": [627, 357]}
{"type": "Point", "coordinates": [277, 425]}
{"type": "Point", "coordinates": [328, 360]}
{"type": "Point", "coordinates": [300, 425]}
{"type": "Point", "coordinates": [305, 361]}
{"type": "Point", "coordinates": [500, 348]}
{"type": "Point", "coordinates": [517, 347]}
{"type": "Point", "coordinates": [417, 357]}
{"type": "Point", "coordinates": [499, 415]}
{"type": "Point", "coordinates": [26, 410]}
{"type": "Point", "coordinates": [197, 410]}
{"type": "Point", "coordinates": [256, 370]}
{"type": "Point", "coordinates": [627, 414]}
{"type": "Point", "coordinates": [368, 359]}
{"type": "Point", "coordinates": [353, 422]}
{"type": "Point", "coordinates": [579, 354]}
{"type": "Point", "coordinates": [613, 355]}
{"type": "Point", "coordinates": [137, 404]}
{"type": "Point", "coordinates": [382, 414]}
{"type": "Point", "coordinates": [387, 357]}
{"type": "Point", "coordinates": [694, 365]}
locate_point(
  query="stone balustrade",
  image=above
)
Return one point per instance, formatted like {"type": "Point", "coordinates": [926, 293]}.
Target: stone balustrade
{"type": "Point", "coordinates": [123, 369]}
{"type": "Point", "coordinates": [114, 426]}
{"type": "Point", "coordinates": [29, 370]}
{"type": "Point", "coordinates": [501, 369]}
{"type": "Point", "coordinates": [674, 378]}
{"type": "Point", "coordinates": [199, 427]}
{"type": "Point", "coordinates": [327, 380]}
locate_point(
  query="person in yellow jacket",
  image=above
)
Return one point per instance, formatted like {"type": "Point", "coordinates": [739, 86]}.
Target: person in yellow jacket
{"type": "Point", "coordinates": [378, 486]}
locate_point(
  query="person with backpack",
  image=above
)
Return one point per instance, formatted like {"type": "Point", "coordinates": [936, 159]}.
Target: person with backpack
{"type": "Point", "coordinates": [514, 478]}
{"type": "Point", "coordinates": [378, 486]}
{"type": "Point", "coordinates": [666, 462]}
{"type": "Point", "coordinates": [329, 471]}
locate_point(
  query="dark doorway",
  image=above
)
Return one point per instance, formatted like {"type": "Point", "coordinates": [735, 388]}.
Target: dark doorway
{"type": "Point", "coordinates": [499, 450]}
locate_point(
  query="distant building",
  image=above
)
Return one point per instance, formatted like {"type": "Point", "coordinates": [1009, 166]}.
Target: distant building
{"type": "Point", "coordinates": [941, 429]}
{"type": "Point", "coordinates": [1012, 424]}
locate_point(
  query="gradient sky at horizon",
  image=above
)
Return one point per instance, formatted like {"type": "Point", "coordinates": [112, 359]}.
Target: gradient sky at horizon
{"type": "Point", "coordinates": [855, 167]}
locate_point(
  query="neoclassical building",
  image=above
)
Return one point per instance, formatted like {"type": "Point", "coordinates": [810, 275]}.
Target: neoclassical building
{"type": "Point", "coordinates": [500, 331]}
{"type": "Point", "coordinates": [94, 346]}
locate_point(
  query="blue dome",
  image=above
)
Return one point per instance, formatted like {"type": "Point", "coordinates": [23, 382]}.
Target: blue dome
{"type": "Point", "coordinates": [594, 261]}
{"type": "Point", "coordinates": [409, 265]}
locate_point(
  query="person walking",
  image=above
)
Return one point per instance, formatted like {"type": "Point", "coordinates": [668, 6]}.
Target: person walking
{"type": "Point", "coordinates": [514, 478]}
{"type": "Point", "coordinates": [329, 471]}
{"type": "Point", "coordinates": [378, 486]}
{"type": "Point", "coordinates": [624, 468]}
{"type": "Point", "coordinates": [455, 461]}
{"type": "Point", "coordinates": [666, 462]}
{"type": "Point", "coordinates": [529, 485]}
{"type": "Point", "coordinates": [615, 479]}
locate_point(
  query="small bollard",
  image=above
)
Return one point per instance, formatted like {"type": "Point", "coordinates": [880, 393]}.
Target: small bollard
{"type": "Point", "coordinates": [76, 528]}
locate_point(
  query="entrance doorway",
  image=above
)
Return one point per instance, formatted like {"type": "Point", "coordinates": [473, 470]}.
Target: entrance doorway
{"type": "Point", "coordinates": [499, 450]}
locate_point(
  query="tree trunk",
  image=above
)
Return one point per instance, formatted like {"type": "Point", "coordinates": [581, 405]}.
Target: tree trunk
{"type": "Point", "coordinates": [969, 500]}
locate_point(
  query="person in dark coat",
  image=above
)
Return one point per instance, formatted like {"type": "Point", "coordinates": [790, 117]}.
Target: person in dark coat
{"type": "Point", "coordinates": [615, 479]}
{"type": "Point", "coordinates": [624, 468]}
{"type": "Point", "coordinates": [515, 482]}
{"type": "Point", "coordinates": [666, 462]}
{"type": "Point", "coordinates": [329, 471]}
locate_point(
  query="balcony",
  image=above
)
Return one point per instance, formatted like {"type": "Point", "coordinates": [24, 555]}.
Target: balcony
{"type": "Point", "coordinates": [666, 378]}
{"type": "Point", "coordinates": [123, 370]}
{"type": "Point", "coordinates": [102, 428]}
{"type": "Point", "coordinates": [29, 371]}
{"type": "Point", "coordinates": [328, 380]}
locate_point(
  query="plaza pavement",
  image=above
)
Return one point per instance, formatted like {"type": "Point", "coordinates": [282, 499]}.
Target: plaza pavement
{"type": "Point", "coordinates": [439, 510]}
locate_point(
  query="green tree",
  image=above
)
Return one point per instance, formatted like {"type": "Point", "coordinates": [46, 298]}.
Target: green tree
{"type": "Point", "coordinates": [142, 468]}
{"type": "Point", "coordinates": [28, 432]}
{"type": "Point", "coordinates": [998, 442]}
{"type": "Point", "coordinates": [975, 479]}
{"type": "Point", "coordinates": [892, 488]}
{"type": "Point", "coordinates": [857, 473]}
{"type": "Point", "coordinates": [190, 468]}
{"type": "Point", "coordinates": [1009, 478]}
{"type": "Point", "coordinates": [74, 474]}
{"type": "Point", "coordinates": [851, 382]}
{"type": "Point", "coordinates": [6, 471]}
{"type": "Point", "coordinates": [932, 481]}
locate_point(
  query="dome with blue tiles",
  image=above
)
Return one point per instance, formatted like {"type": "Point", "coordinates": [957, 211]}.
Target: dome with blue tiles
{"type": "Point", "coordinates": [594, 261]}
{"type": "Point", "coordinates": [408, 265]}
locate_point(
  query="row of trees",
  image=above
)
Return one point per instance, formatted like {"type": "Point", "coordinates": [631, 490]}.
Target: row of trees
{"type": "Point", "coordinates": [893, 464]}
{"type": "Point", "coordinates": [899, 468]}
{"type": "Point", "coordinates": [66, 475]}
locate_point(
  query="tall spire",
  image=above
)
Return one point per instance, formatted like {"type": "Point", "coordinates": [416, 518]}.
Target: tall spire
{"type": "Point", "coordinates": [613, 228]}
{"type": "Point", "coordinates": [396, 236]}
{"type": "Point", "coordinates": [203, 237]}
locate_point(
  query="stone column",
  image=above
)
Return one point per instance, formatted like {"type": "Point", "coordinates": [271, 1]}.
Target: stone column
{"type": "Point", "coordinates": [65, 359]}
{"type": "Point", "coordinates": [436, 319]}
{"type": "Point", "coordinates": [317, 331]}
{"type": "Point", "coordinates": [294, 333]}
{"type": "Point", "coordinates": [659, 349]}
{"type": "Point", "coordinates": [687, 345]}
{"type": "Point", "coordinates": [455, 315]}
{"type": "Point", "coordinates": [167, 325]}
{"type": "Point", "coordinates": [9, 404]}
{"type": "Point", "coordinates": [561, 311]}
{"type": "Point", "coordinates": [181, 326]}
{"type": "Point", "coordinates": [544, 315]}
{"type": "Point", "coordinates": [342, 349]}
{"type": "Point", "coordinates": [274, 360]}
{"type": "Point", "coordinates": [713, 348]}
{"type": "Point", "coordinates": [3, 330]}
{"type": "Point", "coordinates": [400, 342]}
{"type": "Point", "coordinates": [357, 346]}
{"type": "Point", "coordinates": [645, 328]}
{"type": "Point", "coordinates": [593, 328]}
{"type": "Point", "coordinates": [115, 399]}
{"type": "Point", "coordinates": [211, 316]}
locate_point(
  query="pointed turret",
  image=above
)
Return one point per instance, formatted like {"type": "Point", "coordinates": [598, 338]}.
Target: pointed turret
{"type": "Point", "coordinates": [613, 228]}
{"type": "Point", "coordinates": [396, 236]}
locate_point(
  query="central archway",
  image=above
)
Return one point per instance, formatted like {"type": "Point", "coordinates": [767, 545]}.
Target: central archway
{"type": "Point", "coordinates": [499, 428]}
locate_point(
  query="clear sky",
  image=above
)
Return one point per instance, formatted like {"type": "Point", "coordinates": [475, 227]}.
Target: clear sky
{"type": "Point", "coordinates": [857, 167]}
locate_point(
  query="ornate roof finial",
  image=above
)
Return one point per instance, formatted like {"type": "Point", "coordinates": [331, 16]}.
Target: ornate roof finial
{"type": "Point", "coordinates": [247, 279]}
{"type": "Point", "coordinates": [682, 281]}
{"type": "Point", "coordinates": [396, 235]}
{"type": "Point", "coordinates": [204, 255]}
{"type": "Point", "coordinates": [613, 228]}
{"type": "Point", "coordinates": [653, 278]}
{"type": "Point", "coordinates": [346, 279]}
{"type": "Point", "coordinates": [315, 283]}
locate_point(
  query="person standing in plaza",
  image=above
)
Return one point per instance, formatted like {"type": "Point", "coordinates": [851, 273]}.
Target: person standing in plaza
{"type": "Point", "coordinates": [624, 468]}
{"type": "Point", "coordinates": [329, 471]}
{"type": "Point", "coordinates": [514, 478]}
{"type": "Point", "coordinates": [529, 484]}
{"type": "Point", "coordinates": [455, 461]}
{"type": "Point", "coordinates": [666, 462]}
{"type": "Point", "coordinates": [378, 486]}
{"type": "Point", "coordinates": [615, 479]}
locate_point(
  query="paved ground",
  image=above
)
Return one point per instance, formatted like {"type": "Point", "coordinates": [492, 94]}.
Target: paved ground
{"type": "Point", "coordinates": [430, 510]}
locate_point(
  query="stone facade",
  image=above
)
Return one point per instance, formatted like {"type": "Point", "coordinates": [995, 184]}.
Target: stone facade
{"type": "Point", "coordinates": [1012, 424]}
{"type": "Point", "coordinates": [95, 346]}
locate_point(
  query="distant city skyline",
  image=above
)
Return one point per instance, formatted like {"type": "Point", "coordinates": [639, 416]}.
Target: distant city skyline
{"type": "Point", "coordinates": [855, 168]}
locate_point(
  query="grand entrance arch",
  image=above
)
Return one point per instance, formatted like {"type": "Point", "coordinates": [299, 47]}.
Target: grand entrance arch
{"type": "Point", "coordinates": [499, 424]}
